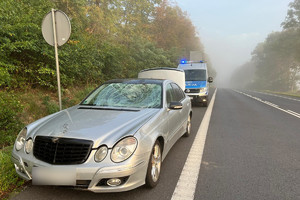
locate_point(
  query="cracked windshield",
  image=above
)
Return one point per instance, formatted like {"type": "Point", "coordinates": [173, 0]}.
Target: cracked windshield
{"type": "Point", "coordinates": [126, 95]}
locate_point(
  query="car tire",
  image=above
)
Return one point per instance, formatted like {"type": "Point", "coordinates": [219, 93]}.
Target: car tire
{"type": "Point", "coordinates": [205, 104]}
{"type": "Point", "coordinates": [188, 126]}
{"type": "Point", "coordinates": [154, 166]}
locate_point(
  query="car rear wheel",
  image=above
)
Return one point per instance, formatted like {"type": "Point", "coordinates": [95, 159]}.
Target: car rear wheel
{"type": "Point", "coordinates": [188, 127]}
{"type": "Point", "coordinates": [154, 166]}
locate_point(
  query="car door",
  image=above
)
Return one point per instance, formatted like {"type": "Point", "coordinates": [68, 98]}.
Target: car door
{"type": "Point", "coordinates": [174, 116]}
{"type": "Point", "coordinates": [171, 115]}
{"type": "Point", "coordinates": [183, 113]}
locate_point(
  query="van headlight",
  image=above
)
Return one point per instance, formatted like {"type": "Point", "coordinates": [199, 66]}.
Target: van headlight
{"type": "Point", "coordinates": [203, 89]}
{"type": "Point", "coordinates": [21, 139]}
{"type": "Point", "coordinates": [123, 149]}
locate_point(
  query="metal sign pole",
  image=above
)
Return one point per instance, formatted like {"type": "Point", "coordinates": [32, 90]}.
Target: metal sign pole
{"type": "Point", "coordinates": [56, 58]}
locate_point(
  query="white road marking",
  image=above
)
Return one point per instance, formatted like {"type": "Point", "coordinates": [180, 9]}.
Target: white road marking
{"type": "Point", "coordinates": [294, 113]}
{"type": "Point", "coordinates": [271, 104]}
{"type": "Point", "coordinates": [275, 95]}
{"type": "Point", "coordinates": [186, 185]}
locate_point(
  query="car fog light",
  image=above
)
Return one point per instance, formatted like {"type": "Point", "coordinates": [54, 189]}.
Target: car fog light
{"type": "Point", "coordinates": [28, 146]}
{"type": "Point", "coordinates": [17, 167]}
{"type": "Point", "coordinates": [20, 169]}
{"type": "Point", "coordinates": [113, 182]}
{"type": "Point", "coordinates": [100, 154]}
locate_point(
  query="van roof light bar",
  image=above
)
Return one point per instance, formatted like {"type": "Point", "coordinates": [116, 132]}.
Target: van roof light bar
{"type": "Point", "coordinates": [184, 61]}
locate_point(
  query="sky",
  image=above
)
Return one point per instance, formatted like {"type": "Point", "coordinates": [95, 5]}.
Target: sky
{"type": "Point", "coordinates": [231, 29]}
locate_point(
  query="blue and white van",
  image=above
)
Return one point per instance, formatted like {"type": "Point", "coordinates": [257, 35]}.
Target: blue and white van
{"type": "Point", "coordinates": [196, 80]}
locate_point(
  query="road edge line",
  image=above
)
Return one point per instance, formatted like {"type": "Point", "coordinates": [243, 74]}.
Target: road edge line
{"type": "Point", "coordinates": [187, 182]}
{"type": "Point", "coordinates": [293, 113]}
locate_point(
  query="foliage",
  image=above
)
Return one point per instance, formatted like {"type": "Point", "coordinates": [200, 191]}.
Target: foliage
{"type": "Point", "coordinates": [23, 56]}
{"type": "Point", "coordinates": [23, 107]}
{"type": "Point", "coordinates": [110, 39]}
{"type": "Point", "coordinates": [277, 61]}
{"type": "Point", "coordinates": [292, 19]}
{"type": "Point", "coordinates": [82, 93]}
{"type": "Point", "coordinates": [10, 109]}
{"type": "Point", "coordinates": [173, 29]}
{"type": "Point", "coordinates": [51, 107]}
{"type": "Point", "coordinates": [9, 180]}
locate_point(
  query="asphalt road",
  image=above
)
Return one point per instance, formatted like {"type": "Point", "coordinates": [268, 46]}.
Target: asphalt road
{"type": "Point", "coordinates": [252, 151]}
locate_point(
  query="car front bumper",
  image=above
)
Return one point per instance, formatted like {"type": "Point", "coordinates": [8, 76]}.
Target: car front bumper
{"type": "Point", "coordinates": [91, 175]}
{"type": "Point", "coordinates": [200, 97]}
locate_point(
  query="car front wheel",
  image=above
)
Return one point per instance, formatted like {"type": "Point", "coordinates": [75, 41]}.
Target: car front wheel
{"type": "Point", "coordinates": [154, 166]}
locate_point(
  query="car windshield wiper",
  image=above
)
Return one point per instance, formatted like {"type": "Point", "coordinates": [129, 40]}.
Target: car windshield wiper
{"type": "Point", "coordinates": [89, 104]}
{"type": "Point", "coordinates": [116, 109]}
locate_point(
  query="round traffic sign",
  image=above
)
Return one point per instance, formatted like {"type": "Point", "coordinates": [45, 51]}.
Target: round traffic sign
{"type": "Point", "coordinates": [63, 28]}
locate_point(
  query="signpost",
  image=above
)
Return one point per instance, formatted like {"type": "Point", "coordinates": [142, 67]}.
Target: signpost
{"type": "Point", "coordinates": [56, 30]}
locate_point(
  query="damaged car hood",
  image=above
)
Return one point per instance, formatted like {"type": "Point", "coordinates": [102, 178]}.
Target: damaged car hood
{"type": "Point", "coordinates": [101, 125]}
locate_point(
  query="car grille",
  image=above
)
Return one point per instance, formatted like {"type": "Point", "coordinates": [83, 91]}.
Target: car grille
{"type": "Point", "coordinates": [192, 90]}
{"type": "Point", "coordinates": [61, 150]}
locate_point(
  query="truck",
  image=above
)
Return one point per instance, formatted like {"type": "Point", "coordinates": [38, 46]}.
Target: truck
{"type": "Point", "coordinates": [173, 74]}
{"type": "Point", "coordinates": [196, 81]}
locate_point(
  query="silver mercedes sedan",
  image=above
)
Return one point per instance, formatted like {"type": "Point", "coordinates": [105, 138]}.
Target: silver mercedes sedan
{"type": "Point", "coordinates": [114, 140]}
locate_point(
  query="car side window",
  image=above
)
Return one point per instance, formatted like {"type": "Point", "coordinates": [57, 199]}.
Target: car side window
{"type": "Point", "coordinates": [178, 93]}
{"type": "Point", "coordinates": [170, 94]}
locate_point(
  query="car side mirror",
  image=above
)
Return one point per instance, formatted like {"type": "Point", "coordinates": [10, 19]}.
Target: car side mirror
{"type": "Point", "coordinates": [175, 106]}
{"type": "Point", "coordinates": [210, 79]}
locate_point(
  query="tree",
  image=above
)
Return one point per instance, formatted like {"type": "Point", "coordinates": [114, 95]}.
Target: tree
{"type": "Point", "coordinates": [278, 58]}
{"type": "Point", "coordinates": [109, 39]}
{"type": "Point", "coordinates": [23, 53]}
{"type": "Point", "coordinates": [172, 28]}
{"type": "Point", "coordinates": [292, 19]}
{"type": "Point", "coordinates": [275, 61]}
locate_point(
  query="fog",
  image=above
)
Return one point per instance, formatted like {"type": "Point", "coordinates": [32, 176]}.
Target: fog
{"type": "Point", "coordinates": [229, 53]}
{"type": "Point", "coordinates": [230, 30]}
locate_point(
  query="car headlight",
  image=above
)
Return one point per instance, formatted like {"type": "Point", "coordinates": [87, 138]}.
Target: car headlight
{"type": "Point", "coordinates": [203, 89]}
{"type": "Point", "coordinates": [123, 149]}
{"type": "Point", "coordinates": [21, 139]}
{"type": "Point", "coordinates": [29, 146]}
{"type": "Point", "coordinates": [100, 154]}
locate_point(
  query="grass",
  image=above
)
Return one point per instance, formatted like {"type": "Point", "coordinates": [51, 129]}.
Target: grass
{"type": "Point", "coordinates": [284, 93]}
{"type": "Point", "coordinates": [36, 103]}
{"type": "Point", "coordinates": [9, 180]}
{"type": "Point", "coordinates": [39, 103]}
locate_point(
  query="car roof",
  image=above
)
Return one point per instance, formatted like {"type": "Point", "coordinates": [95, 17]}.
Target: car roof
{"type": "Point", "coordinates": [162, 68]}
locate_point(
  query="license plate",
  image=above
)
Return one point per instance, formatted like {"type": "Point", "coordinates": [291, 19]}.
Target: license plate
{"type": "Point", "coordinates": [53, 176]}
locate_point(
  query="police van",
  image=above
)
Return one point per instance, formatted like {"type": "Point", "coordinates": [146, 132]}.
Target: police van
{"type": "Point", "coordinates": [196, 80]}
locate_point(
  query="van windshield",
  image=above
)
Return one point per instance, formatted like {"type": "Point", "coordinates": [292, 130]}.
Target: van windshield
{"type": "Point", "coordinates": [195, 75]}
